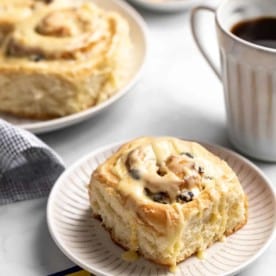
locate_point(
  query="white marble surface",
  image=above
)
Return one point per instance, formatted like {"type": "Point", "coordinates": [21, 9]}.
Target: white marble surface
{"type": "Point", "coordinates": [177, 95]}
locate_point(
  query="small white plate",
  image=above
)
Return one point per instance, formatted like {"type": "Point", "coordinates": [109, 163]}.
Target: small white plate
{"type": "Point", "coordinates": [139, 41]}
{"type": "Point", "coordinates": [167, 5]}
{"type": "Point", "coordinates": [83, 240]}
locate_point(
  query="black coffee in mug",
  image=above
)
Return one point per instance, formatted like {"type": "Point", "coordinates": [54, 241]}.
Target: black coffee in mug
{"type": "Point", "coordinates": [260, 31]}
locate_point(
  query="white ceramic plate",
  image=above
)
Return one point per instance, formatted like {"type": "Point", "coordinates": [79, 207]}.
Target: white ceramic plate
{"type": "Point", "coordinates": [83, 240]}
{"type": "Point", "coordinates": [139, 50]}
{"type": "Point", "coordinates": [167, 5]}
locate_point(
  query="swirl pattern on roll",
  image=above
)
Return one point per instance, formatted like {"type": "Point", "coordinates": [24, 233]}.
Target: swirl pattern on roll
{"type": "Point", "coordinates": [179, 177]}
{"type": "Point", "coordinates": [169, 171]}
{"type": "Point", "coordinates": [67, 33]}
{"type": "Point", "coordinates": [14, 11]}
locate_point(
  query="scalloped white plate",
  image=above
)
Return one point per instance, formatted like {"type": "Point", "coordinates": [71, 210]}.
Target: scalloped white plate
{"type": "Point", "coordinates": [83, 240]}
{"type": "Point", "coordinates": [139, 40]}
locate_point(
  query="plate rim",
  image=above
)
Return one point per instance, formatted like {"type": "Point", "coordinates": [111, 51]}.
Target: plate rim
{"type": "Point", "coordinates": [46, 126]}
{"type": "Point", "coordinates": [168, 6]}
{"type": "Point", "coordinates": [110, 146]}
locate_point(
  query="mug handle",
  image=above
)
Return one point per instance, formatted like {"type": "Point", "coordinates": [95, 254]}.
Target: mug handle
{"type": "Point", "coordinates": [194, 22]}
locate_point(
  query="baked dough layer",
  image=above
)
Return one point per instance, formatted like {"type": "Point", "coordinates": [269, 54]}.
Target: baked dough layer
{"type": "Point", "coordinates": [61, 58]}
{"type": "Point", "coordinates": [167, 198]}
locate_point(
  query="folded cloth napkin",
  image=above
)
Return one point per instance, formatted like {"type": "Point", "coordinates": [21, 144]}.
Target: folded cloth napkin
{"type": "Point", "coordinates": [28, 167]}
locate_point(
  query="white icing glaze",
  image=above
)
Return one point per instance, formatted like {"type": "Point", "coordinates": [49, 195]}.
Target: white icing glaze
{"type": "Point", "coordinates": [179, 172]}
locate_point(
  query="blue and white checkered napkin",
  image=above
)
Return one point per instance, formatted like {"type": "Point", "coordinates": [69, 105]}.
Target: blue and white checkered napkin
{"type": "Point", "coordinates": [28, 167]}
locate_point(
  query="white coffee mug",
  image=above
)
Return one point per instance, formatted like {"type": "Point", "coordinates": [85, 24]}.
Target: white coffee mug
{"type": "Point", "coordinates": [248, 74]}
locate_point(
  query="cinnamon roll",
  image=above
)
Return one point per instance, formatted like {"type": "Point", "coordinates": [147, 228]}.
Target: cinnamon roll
{"type": "Point", "coordinates": [167, 198]}
{"type": "Point", "coordinates": [64, 57]}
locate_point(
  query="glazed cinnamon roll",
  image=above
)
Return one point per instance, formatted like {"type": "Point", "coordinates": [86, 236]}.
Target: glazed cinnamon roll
{"type": "Point", "coordinates": [62, 59]}
{"type": "Point", "coordinates": [166, 198]}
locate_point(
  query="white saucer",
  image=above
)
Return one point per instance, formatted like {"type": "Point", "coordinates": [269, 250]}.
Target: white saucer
{"type": "Point", "coordinates": [83, 240]}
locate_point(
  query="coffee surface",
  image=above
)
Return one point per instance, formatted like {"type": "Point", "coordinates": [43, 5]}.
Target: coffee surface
{"type": "Point", "coordinates": [261, 31]}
